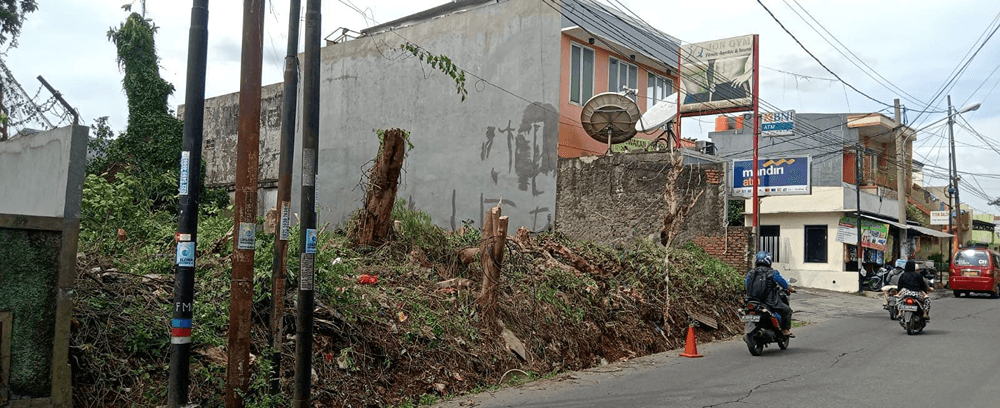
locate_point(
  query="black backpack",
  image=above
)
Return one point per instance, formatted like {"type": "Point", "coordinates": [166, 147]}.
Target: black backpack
{"type": "Point", "coordinates": [761, 283]}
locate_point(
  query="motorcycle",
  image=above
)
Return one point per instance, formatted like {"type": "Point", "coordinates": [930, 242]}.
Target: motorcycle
{"type": "Point", "coordinates": [910, 306]}
{"type": "Point", "coordinates": [763, 325]}
{"type": "Point", "coordinates": [889, 300]}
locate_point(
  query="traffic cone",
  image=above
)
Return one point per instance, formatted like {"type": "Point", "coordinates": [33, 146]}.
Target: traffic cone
{"type": "Point", "coordinates": [691, 345]}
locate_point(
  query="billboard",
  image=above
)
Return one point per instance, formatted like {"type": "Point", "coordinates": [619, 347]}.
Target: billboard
{"type": "Point", "coordinates": [783, 176]}
{"type": "Point", "coordinates": [777, 123]}
{"type": "Point", "coordinates": [874, 235]}
{"type": "Point", "coordinates": [717, 74]}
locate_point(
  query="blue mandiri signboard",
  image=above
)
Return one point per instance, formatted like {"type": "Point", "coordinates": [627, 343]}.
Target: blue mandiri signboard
{"type": "Point", "coordinates": [782, 176]}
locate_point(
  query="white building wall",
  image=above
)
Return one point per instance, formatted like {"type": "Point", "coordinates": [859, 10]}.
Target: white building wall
{"type": "Point", "coordinates": [829, 275]}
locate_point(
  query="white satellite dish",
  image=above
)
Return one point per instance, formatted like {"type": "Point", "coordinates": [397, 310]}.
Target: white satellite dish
{"type": "Point", "coordinates": [610, 117]}
{"type": "Point", "coordinates": [658, 115]}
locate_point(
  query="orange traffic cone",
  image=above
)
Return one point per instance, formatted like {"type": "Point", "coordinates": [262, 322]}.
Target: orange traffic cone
{"type": "Point", "coordinates": [691, 345]}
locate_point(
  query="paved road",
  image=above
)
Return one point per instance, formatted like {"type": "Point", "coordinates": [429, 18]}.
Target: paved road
{"type": "Point", "coordinates": [849, 355]}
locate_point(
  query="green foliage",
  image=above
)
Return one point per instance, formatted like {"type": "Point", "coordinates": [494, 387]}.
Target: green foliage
{"type": "Point", "coordinates": [441, 63]}
{"type": "Point", "coordinates": [914, 213]}
{"type": "Point", "coordinates": [123, 204]}
{"type": "Point", "coordinates": [30, 273]}
{"type": "Point", "coordinates": [12, 16]}
{"type": "Point", "coordinates": [736, 209]}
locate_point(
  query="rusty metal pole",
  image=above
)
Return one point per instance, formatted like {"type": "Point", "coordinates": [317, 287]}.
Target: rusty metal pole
{"type": "Point", "coordinates": [189, 190]}
{"type": "Point", "coordinates": [279, 265]}
{"type": "Point", "coordinates": [245, 217]}
{"type": "Point", "coordinates": [4, 111]}
{"type": "Point", "coordinates": [307, 235]}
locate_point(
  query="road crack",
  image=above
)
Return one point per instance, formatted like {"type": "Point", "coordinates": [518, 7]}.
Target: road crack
{"type": "Point", "coordinates": [973, 315]}
{"type": "Point", "coordinates": [740, 399]}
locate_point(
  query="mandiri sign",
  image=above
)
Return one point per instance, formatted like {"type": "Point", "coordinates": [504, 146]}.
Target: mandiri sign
{"type": "Point", "coordinates": [784, 176]}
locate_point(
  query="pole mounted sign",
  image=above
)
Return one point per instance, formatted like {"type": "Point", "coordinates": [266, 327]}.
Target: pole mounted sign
{"type": "Point", "coordinates": [777, 123]}
{"type": "Point", "coordinates": [939, 217]}
{"type": "Point", "coordinates": [784, 176]}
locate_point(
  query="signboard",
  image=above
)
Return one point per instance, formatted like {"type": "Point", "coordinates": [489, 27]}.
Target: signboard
{"type": "Point", "coordinates": [784, 176]}
{"type": "Point", "coordinates": [874, 235]}
{"type": "Point", "coordinates": [717, 74]}
{"type": "Point", "coordinates": [939, 217]}
{"type": "Point", "coordinates": [777, 123]}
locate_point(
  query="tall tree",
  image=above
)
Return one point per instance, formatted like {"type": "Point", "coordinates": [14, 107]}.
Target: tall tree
{"type": "Point", "coordinates": [12, 15]}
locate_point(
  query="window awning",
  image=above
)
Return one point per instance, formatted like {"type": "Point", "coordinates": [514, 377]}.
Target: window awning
{"type": "Point", "coordinates": [928, 231]}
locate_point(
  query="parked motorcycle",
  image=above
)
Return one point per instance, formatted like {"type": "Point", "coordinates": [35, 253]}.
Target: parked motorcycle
{"type": "Point", "coordinates": [911, 311]}
{"type": "Point", "coordinates": [763, 326]}
{"type": "Point", "coordinates": [889, 300]}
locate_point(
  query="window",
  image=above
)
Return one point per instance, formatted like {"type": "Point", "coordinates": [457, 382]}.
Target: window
{"type": "Point", "coordinates": [770, 241]}
{"type": "Point", "coordinates": [622, 74]}
{"type": "Point", "coordinates": [658, 88]}
{"type": "Point", "coordinates": [581, 73]}
{"type": "Point", "coordinates": [815, 237]}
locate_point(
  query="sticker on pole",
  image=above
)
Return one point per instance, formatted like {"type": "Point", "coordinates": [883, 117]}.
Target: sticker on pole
{"type": "Point", "coordinates": [185, 175]}
{"type": "Point", "coordinates": [306, 271]}
{"type": "Point", "coordinates": [185, 254]}
{"type": "Point", "coordinates": [286, 220]}
{"type": "Point", "coordinates": [248, 236]}
{"type": "Point", "coordinates": [311, 241]}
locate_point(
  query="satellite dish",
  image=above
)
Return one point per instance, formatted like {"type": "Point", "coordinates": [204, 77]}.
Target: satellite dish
{"type": "Point", "coordinates": [610, 117]}
{"type": "Point", "coordinates": [658, 115]}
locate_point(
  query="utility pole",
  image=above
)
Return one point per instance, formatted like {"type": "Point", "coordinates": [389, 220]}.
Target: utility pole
{"type": "Point", "coordinates": [278, 266]}
{"type": "Point", "coordinates": [857, 197]}
{"type": "Point", "coordinates": [245, 214]}
{"type": "Point", "coordinates": [307, 230]}
{"type": "Point", "coordinates": [6, 118]}
{"type": "Point", "coordinates": [954, 179]}
{"type": "Point", "coordinates": [189, 187]}
{"type": "Point", "coordinates": [904, 246]}
{"type": "Point", "coordinates": [756, 138]}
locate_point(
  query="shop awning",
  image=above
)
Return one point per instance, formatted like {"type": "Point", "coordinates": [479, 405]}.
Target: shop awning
{"type": "Point", "coordinates": [928, 231]}
{"type": "Point", "coordinates": [882, 220]}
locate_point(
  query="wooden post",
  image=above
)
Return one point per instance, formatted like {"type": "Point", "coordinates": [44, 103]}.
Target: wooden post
{"type": "Point", "coordinates": [491, 250]}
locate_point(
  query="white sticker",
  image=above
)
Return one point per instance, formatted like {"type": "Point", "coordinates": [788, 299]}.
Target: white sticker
{"type": "Point", "coordinates": [310, 241]}
{"type": "Point", "coordinates": [182, 189]}
{"type": "Point", "coordinates": [308, 167]}
{"type": "Point", "coordinates": [286, 220]}
{"type": "Point", "coordinates": [306, 271]}
{"type": "Point", "coordinates": [185, 254]}
{"type": "Point", "coordinates": [248, 236]}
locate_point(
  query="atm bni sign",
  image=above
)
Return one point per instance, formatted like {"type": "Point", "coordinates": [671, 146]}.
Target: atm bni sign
{"type": "Point", "coordinates": [784, 176]}
{"type": "Point", "coordinates": [777, 123]}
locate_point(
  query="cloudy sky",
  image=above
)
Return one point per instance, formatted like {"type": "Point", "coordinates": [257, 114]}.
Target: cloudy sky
{"type": "Point", "coordinates": [912, 48]}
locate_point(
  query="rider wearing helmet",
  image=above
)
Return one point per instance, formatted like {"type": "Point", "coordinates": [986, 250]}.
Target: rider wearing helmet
{"type": "Point", "coordinates": [770, 295]}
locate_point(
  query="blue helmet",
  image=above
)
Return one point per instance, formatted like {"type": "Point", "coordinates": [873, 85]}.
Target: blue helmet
{"type": "Point", "coordinates": [763, 258]}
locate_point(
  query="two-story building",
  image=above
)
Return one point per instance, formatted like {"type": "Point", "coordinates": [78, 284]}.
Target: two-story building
{"type": "Point", "coordinates": [812, 236]}
{"type": "Point", "coordinates": [529, 68]}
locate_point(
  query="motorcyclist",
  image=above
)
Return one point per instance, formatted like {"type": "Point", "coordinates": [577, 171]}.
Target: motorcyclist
{"type": "Point", "coordinates": [912, 281]}
{"type": "Point", "coordinates": [772, 295]}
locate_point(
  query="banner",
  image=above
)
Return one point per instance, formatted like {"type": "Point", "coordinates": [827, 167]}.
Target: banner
{"type": "Point", "coordinates": [717, 74]}
{"type": "Point", "coordinates": [874, 235]}
{"type": "Point", "coordinates": [785, 176]}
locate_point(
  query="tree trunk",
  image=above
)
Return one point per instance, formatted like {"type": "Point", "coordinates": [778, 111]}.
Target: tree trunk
{"type": "Point", "coordinates": [374, 223]}
{"type": "Point", "coordinates": [491, 251]}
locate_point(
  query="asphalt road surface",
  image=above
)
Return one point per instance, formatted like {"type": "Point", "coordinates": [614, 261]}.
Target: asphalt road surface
{"type": "Point", "coordinates": [849, 354]}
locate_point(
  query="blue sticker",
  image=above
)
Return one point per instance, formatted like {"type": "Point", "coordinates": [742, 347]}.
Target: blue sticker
{"type": "Point", "coordinates": [185, 254]}
{"type": "Point", "coordinates": [310, 241]}
{"type": "Point", "coordinates": [185, 173]}
{"type": "Point", "coordinates": [181, 323]}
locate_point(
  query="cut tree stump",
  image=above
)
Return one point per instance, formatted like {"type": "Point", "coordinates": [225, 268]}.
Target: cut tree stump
{"type": "Point", "coordinates": [374, 224]}
{"type": "Point", "coordinates": [491, 250]}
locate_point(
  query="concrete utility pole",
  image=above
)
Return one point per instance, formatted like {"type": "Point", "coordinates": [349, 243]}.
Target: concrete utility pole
{"type": "Point", "coordinates": [188, 192]}
{"type": "Point", "coordinates": [301, 397]}
{"type": "Point", "coordinates": [279, 267]}
{"type": "Point", "coordinates": [857, 196]}
{"type": "Point", "coordinates": [954, 179]}
{"type": "Point", "coordinates": [245, 217]}
{"type": "Point", "coordinates": [904, 247]}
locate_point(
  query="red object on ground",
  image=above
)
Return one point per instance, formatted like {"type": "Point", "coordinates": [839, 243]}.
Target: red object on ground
{"type": "Point", "coordinates": [367, 279]}
{"type": "Point", "coordinates": [691, 345]}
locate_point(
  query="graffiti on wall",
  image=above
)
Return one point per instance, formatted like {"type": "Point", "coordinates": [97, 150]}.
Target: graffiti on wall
{"type": "Point", "coordinates": [531, 147]}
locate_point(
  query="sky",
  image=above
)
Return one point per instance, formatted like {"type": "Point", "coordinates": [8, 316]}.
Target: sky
{"type": "Point", "coordinates": [912, 47]}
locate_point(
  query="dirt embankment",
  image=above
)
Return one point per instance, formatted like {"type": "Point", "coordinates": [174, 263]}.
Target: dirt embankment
{"type": "Point", "coordinates": [415, 335]}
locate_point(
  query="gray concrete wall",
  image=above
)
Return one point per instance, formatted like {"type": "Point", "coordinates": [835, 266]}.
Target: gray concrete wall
{"type": "Point", "coordinates": [467, 155]}
{"type": "Point", "coordinates": [618, 199]}
{"type": "Point", "coordinates": [42, 174]}
{"type": "Point", "coordinates": [818, 135]}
